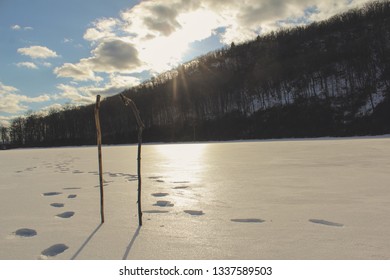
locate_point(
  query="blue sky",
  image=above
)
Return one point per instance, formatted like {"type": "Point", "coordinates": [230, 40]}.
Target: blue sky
{"type": "Point", "coordinates": [56, 52]}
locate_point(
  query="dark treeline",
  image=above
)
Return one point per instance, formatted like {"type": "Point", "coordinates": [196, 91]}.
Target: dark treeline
{"type": "Point", "coordinates": [330, 78]}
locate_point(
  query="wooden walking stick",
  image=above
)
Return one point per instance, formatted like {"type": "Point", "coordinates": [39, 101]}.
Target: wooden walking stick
{"type": "Point", "coordinates": [141, 126]}
{"type": "Point", "coordinates": [99, 144]}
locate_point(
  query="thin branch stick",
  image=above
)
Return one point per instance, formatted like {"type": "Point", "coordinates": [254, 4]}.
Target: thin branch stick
{"type": "Point", "coordinates": [99, 144]}
{"type": "Point", "coordinates": [141, 126]}
{"type": "Point", "coordinates": [129, 102]}
{"type": "Point", "coordinates": [139, 176]}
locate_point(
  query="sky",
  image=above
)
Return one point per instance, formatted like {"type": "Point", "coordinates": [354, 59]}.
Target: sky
{"type": "Point", "coordinates": [56, 52]}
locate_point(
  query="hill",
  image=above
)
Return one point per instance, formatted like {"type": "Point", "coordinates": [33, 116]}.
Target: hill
{"type": "Point", "coordinates": [329, 78]}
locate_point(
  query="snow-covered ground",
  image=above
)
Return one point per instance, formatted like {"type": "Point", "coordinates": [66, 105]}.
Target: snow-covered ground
{"type": "Point", "coordinates": [298, 199]}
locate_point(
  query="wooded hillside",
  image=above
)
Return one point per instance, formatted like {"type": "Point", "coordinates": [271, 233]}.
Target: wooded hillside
{"type": "Point", "coordinates": [330, 78]}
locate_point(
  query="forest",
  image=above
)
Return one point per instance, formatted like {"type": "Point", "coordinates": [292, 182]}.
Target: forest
{"type": "Point", "coordinates": [329, 78]}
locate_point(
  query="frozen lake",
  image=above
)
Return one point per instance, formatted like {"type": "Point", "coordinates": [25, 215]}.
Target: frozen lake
{"type": "Point", "coordinates": [298, 199]}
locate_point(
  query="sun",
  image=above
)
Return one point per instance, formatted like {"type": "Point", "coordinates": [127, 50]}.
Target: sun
{"type": "Point", "coordinates": [164, 53]}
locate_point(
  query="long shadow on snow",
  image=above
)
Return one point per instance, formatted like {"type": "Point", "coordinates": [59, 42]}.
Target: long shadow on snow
{"type": "Point", "coordinates": [128, 249]}
{"type": "Point", "coordinates": [86, 242]}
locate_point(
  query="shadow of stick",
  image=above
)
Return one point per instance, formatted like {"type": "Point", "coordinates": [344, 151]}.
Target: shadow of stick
{"type": "Point", "coordinates": [128, 249]}
{"type": "Point", "coordinates": [86, 242]}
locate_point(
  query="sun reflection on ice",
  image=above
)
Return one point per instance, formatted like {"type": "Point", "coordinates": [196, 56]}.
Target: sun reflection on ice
{"type": "Point", "coordinates": [183, 162]}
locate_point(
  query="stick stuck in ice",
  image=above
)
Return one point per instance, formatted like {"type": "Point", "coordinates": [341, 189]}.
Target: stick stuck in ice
{"type": "Point", "coordinates": [141, 126]}
{"type": "Point", "coordinates": [99, 144]}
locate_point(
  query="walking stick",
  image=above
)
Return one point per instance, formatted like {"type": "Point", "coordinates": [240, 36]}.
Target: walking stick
{"type": "Point", "coordinates": [141, 126]}
{"type": "Point", "coordinates": [99, 144]}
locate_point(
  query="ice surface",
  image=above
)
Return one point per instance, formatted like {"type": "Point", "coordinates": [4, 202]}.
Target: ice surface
{"type": "Point", "coordinates": [290, 199]}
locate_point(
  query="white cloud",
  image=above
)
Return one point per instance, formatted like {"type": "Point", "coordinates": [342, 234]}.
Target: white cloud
{"type": "Point", "coordinates": [117, 84]}
{"type": "Point", "coordinates": [47, 64]}
{"type": "Point", "coordinates": [33, 65]}
{"type": "Point", "coordinates": [102, 29]}
{"type": "Point", "coordinates": [5, 120]}
{"type": "Point", "coordinates": [246, 19]}
{"type": "Point", "coordinates": [55, 106]}
{"type": "Point", "coordinates": [12, 102]}
{"type": "Point", "coordinates": [17, 27]}
{"type": "Point", "coordinates": [4, 89]}
{"type": "Point", "coordinates": [29, 65]}
{"type": "Point", "coordinates": [37, 52]}
{"type": "Point", "coordinates": [155, 34]}
{"type": "Point", "coordinates": [110, 56]}
{"type": "Point", "coordinates": [115, 55]}
{"type": "Point", "coordinates": [76, 95]}
{"type": "Point", "coordinates": [67, 40]}
{"type": "Point", "coordinates": [79, 72]}
{"type": "Point", "coordinates": [81, 95]}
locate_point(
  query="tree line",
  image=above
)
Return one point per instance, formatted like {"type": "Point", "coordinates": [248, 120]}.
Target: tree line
{"type": "Point", "coordinates": [329, 78]}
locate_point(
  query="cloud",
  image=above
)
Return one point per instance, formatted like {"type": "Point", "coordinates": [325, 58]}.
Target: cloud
{"type": "Point", "coordinates": [154, 35]}
{"type": "Point", "coordinates": [102, 29]}
{"type": "Point", "coordinates": [79, 72]}
{"type": "Point", "coordinates": [33, 65]}
{"type": "Point", "coordinates": [82, 95]}
{"type": "Point", "coordinates": [37, 52]}
{"type": "Point", "coordinates": [55, 106]}
{"type": "Point", "coordinates": [47, 64]}
{"type": "Point", "coordinates": [245, 20]}
{"type": "Point", "coordinates": [17, 27]}
{"type": "Point", "coordinates": [162, 19]}
{"type": "Point", "coordinates": [117, 84]}
{"type": "Point", "coordinates": [76, 95]}
{"type": "Point", "coordinates": [67, 40]}
{"type": "Point", "coordinates": [4, 89]}
{"type": "Point", "coordinates": [115, 55]}
{"type": "Point", "coordinates": [5, 120]}
{"type": "Point", "coordinates": [110, 56]}
{"type": "Point", "coordinates": [29, 65]}
{"type": "Point", "coordinates": [12, 102]}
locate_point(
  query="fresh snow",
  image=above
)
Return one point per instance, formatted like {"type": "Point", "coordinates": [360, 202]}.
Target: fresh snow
{"type": "Point", "coordinates": [290, 199]}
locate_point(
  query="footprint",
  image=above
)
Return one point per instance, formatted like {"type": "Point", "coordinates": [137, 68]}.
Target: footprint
{"type": "Point", "coordinates": [72, 195]}
{"type": "Point", "coordinates": [54, 250]}
{"type": "Point", "coordinates": [159, 194]}
{"type": "Point", "coordinates": [247, 220]}
{"type": "Point", "coordinates": [30, 168]}
{"type": "Point", "coordinates": [57, 205]}
{"type": "Point", "coordinates": [25, 232]}
{"type": "Point", "coordinates": [71, 188]}
{"type": "Point", "coordinates": [163, 203]}
{"type": "Point", "coordinates": [131, 179]}
{"type": "Point", "coordinates": [194, 212]}
{"type": "Point", "coordinates": [181, 187]}
{"type": "Point", "coordinates": [155, 211]}
{"type": "Point", "coordinates": [128, 175]}
{"type": "Point", "coordinates": [77, 172]}
{"type": "Point", "coordinates": [51, 193]}
{"type": "Point", "coordinates": [160, 181]}
{"type": "Point", "coordinates": [181, 182]}
{"type": "Point", "coordinates": [66, 215]}
{"type": "Point", "coordinates": [326, 223]}
{"type": "Point", "coordinates": [155, 177]}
